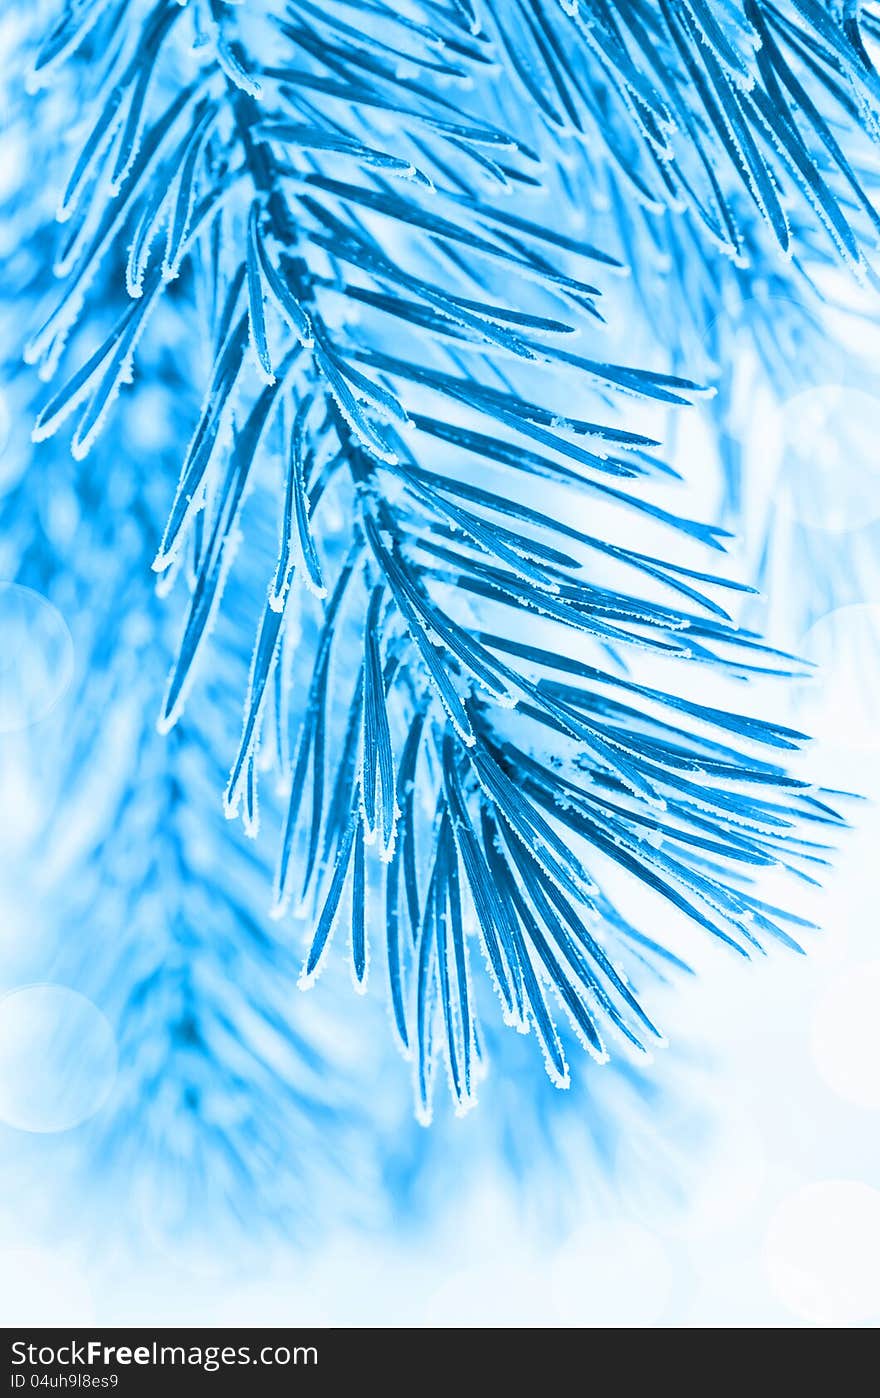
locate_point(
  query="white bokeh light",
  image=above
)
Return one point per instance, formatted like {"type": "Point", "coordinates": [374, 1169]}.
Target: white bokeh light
{"type": "Point", "coordinates": [840, 703]}
{"type": "Point", "coordinates": [57, 1058]}
{"type": "Point", "coordinates": [821, 1253]}
{"type": "Point", "coordinates": [36, 657]}
{"type": "Point", "coordinates": [829, 457]}
{"type": "Point", "coordinates": [844, 1036]}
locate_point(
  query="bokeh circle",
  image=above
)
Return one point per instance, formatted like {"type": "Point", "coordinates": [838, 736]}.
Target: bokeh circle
{"type": "Point", "coordinates": [57, 1058]}
{"type": "Point", "coordinates": [821, 1253]}
{"type": "Point", "coordinates": [844, 1036]}
{"type": "Point", "coordinates": [840, 703]}
{"type": "Point", "coordinates": [36, 657]}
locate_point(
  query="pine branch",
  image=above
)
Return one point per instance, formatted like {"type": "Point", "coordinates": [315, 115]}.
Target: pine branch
{"type": "Point", "coordinates": [471, 747]}
{"type": "Point", "coordinates": [700, 102]}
